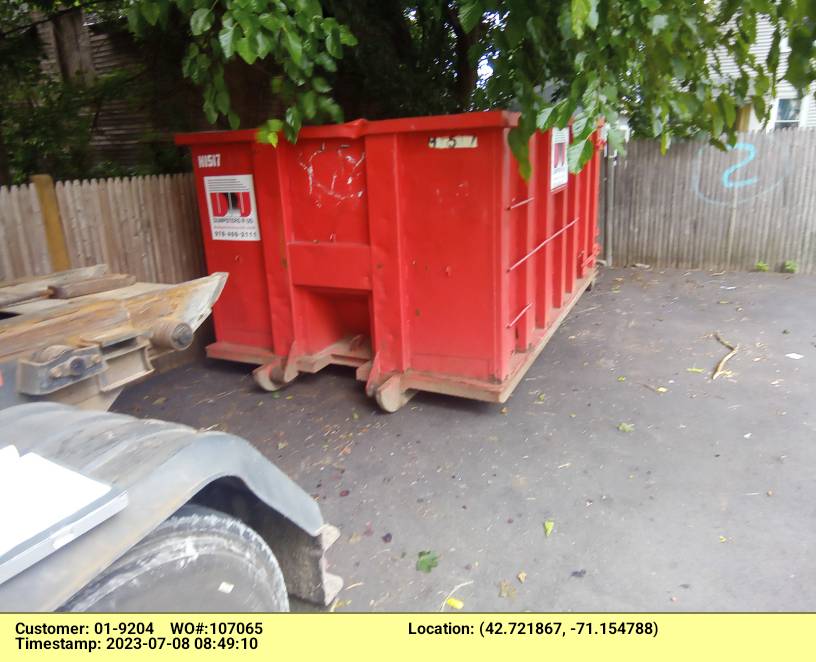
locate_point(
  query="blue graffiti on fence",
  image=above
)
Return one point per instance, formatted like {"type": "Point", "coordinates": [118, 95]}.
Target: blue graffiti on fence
{"type": "Point", "coordinates": [726, 176]}
{"type": "Point", "coordinates": [735, 190]}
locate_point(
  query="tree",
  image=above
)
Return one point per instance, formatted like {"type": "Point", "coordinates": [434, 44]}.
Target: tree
{"type": "Point", "coordinates": [661, 63]}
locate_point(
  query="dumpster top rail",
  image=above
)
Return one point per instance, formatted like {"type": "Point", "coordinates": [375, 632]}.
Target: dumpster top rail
{"type": "Point", "coordinates": [360, 127]}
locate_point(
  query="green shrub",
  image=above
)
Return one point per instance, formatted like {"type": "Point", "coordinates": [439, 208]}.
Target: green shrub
{"type": "Point", "coordinates": [790, 267]}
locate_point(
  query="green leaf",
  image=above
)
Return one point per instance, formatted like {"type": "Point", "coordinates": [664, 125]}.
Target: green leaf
{"type": "Point", "coordinates": [135, 20]}
{"type": "Point", "coordinates": [151, 12]}
{"type": "Point", "coordinates": [222, 102]}
{"type": "Point", "coordinates": [549, 525]}
{"type": "Point", "coordinates": [270, 22]}
{"type": "Point", "coordinates": [626, 427]}
{"type": "Point", "coordinates": [268, 132]}
{"type": "Point", "coordinates": [294, 45]}
{"type": "Point", "coordinates": [519, 145]}
{"type": "Point", "coordinates": [246, 49]}
{"type": "Point", "coordinates": [346, 37]}
{"type": "Point", "coordinates": [545, 118]}
{"type": "Point", "coordinates": [201, 21]}
{"type": "Point", "coordinates": [209, 111]}
{"type": "Point", "coordinates": [226, 38]}
{"type": "Point", "coordinates": [427, 561]}
{"type": "Point", "coordinates": [263, 44]}
{"type": "Point", "coordinates": [326, 62]}
{"type": "Point", "coordinates": [234, 120]}
{"type": "Point", "coordinates": [579, 13]}
{"type": "Point", "coordinates": [330, 108]}
{"type": "Point", "coordinates": [615, 137]}
{"type": "Point", "coordinates": [309, 103]}
{"type": "Point", "coordinates": [333, 46]}
{"type": "Point", "coordinates": [293, 123]}
{"type": "Point", "coordinates": [470, 13]}
{"type": "Point", "coordinates": [578, 154]}
{"type": "Point", "coordinates": [320, 84]}
{"type": "Point", "coordinates": [665, 142]}
{"type": "Point", "coordinates": [728, 108]}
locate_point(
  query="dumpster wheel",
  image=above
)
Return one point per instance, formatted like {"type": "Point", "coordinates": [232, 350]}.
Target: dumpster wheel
{"type": "Point", "coordinates": [269, 377]}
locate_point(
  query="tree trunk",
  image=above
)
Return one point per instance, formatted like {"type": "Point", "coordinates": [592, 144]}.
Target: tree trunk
{"type": "Point", "coordinates": [72, 47]}
{"type": "Point", "coordinates": [466, 69]}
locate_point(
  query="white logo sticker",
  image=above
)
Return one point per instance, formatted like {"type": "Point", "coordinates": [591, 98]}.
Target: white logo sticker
{"type": "Point", "coordinates": [232, 209]}
{"type": "Point", "coordinates": [559, 174]}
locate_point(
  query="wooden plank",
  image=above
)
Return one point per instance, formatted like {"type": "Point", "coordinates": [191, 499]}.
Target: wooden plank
{"type": "Point", "coordinates": [91, 286]}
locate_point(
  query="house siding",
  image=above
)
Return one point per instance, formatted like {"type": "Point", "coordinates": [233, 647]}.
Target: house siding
{"type": "Point", "coordinates": [784, 90]}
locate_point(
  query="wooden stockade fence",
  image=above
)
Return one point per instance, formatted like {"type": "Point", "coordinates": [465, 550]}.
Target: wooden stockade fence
{"type": "Point", "coordinates": [144, 226]}
{"type": "Point", "coordinates": [694, 208]}
{"type": "Point", "coordinates": [700, 208]}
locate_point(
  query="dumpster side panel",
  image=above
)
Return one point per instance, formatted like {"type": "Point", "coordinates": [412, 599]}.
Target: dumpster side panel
{"type": "Point", "coordinates": [448, 206]}
{"type": "Point", "coordinates": [226, 182]}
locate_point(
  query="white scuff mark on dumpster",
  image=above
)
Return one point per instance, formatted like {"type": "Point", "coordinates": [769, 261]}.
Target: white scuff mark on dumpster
{"type": "Point", "coordinates": [345, 170]}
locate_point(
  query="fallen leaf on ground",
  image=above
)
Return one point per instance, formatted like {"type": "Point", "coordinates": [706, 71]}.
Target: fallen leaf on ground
{"type": "Point", "coordinates": [522, 577]}
{"type": "Point", "coordinates": [723, 539]}
{"type": "Point", "coordinates": [355, 415]}
{"type": "Point", "coordinates": [339, 604]}
{"type": "Point", "coordinates": [621, 378]}
{"type": "Point", "coordinates": [282, 445]}
{"type": "Point", "coordinates": [355, 538]}
{"type": "Point", "coordinates": [662, 389]}
{"type": "Point", "coordinates": [694, 370]}
{"type": "Point", "coordinates": [548, 527]}
{"type": "Point", "coordinates": [427, 561]}
{"type": "Point", "coordinates": [160, 401]}
{"type": "Point", "coordinates": [506, 589]}
{"type": "Point", "coordinates": [541, 397]}
{"type": "Point", "coordinates": [626, 427]}
{"type": "Point", "coordinates": [504, 410]}
{"type": "Point", "coordinates": [454, 603]}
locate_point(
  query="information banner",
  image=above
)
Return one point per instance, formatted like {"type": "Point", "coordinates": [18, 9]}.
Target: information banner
{"type": "Point", "coordinates": [414, 637]}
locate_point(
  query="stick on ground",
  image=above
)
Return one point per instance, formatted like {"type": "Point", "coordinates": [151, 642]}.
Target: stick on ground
{"type": "Point", "coordinates": [720, 367]}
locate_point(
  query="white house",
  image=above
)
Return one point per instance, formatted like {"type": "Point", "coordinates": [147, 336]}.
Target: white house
{"type": "Point", "coordinates": [788, 109]}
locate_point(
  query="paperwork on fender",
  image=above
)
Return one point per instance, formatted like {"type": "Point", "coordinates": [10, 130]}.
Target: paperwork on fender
{"type": "Point", "coordinates": [44, 506]}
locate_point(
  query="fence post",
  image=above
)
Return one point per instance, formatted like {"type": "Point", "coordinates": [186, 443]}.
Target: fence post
{"type": "Point", "coordinates": [54, 232]}
{"type": "Point", "coordinates": [610, 163]}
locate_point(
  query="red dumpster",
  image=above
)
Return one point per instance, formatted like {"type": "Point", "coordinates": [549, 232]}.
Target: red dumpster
{"type": "Point", "coordinates": [410, 249]}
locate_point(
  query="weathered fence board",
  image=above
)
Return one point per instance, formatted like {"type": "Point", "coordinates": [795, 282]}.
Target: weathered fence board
{"type": "Point", "coordinates": [700, 208]}
{"type": "Point", "coordinates": [145, 226]}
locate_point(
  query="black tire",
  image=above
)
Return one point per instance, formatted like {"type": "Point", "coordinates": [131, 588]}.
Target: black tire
{"type": "Point", "coordinates": [198, 560]}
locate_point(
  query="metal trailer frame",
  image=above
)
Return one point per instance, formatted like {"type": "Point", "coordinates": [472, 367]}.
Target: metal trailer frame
{"type": "Point", "coordinates": [162, 466]}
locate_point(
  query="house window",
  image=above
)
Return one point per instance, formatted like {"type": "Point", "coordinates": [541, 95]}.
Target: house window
{"type": "Point", "coordinates": [787, 113]}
